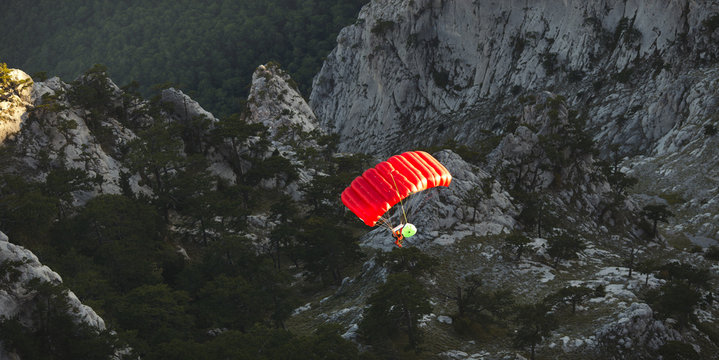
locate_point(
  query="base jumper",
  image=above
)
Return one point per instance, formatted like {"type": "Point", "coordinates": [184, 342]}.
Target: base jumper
{"type": "Point", "coordinates": [402, 231]}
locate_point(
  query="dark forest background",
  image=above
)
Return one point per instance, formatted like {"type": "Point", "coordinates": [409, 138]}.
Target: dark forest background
{"type": "Point", "coordinates": [208, 49]}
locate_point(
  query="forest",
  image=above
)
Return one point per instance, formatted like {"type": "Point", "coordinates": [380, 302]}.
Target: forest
{"type": "Point", "coordinates": [221, 296]}
{"type": "Point", "coordinates": [207, 49]}
{"type": "Point", "coordinates": [200, 267]}
{"type": "Point", "coordinates": [180, 275]}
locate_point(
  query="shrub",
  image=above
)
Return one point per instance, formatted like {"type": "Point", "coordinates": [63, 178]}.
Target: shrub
{"type": "Point", "coordinates": [575, 76]}
{"type": "Point", "coordinates": [712, 253]}
{"type": "Point", "coordinates": [382, 26]}
{"type": "Point", "coordinates": [441, 78]}
{"type": "Point", "coordinates": [673, 198]}
{"type": "Point", "coordinates": [711, 23]}
{"type": "Point", "coordinates": [549, 63]}
{"type": "Point", "coordinates": [710, 130]}
{"type": "Point", "coordinates": [624, 75]}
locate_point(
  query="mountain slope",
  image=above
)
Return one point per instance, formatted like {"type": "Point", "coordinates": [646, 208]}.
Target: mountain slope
{"type": "Point", "coordinates": [409, 68]}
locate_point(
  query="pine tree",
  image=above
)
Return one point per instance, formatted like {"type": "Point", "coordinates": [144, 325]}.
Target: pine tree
{"type": "Point", "coordinates": [54, 331]}
{"type": "Point", "coordinates": [647, 267]}
{"type": "Point", "coordinates": [411, 260]}
{"type": "Point", "coordinates": [475, 306]}
{"type": "Point", "coordinates": [535, 322]}
{"type": "Point", "coordinates": [564, 247]}
{"type": "Point", "coordinates": [517, 243]}
{"type": "Point", "coordinates": [656, 213]}
{"type": "Point", "coordinates": [396, 307]}
{"type": "Point", "coordinates": [574, 294]}
{"type": "Point", "coordinates": [477, 194]}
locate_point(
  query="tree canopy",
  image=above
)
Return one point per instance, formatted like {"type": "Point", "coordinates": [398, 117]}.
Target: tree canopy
{"type": "Point", "coordinates": [208, 49]}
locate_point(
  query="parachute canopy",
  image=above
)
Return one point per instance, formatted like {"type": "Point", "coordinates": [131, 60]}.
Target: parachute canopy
{"type": "Point", "coordinates": [373, 193]}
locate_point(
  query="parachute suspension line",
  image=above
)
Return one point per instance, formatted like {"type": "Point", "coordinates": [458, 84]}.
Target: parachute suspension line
{"type": "Point", "coordinates": [400, 198]}
{"type": "Point", "coordinates": [385, 222]}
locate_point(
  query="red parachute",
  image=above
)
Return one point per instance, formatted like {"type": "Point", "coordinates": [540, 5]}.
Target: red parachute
{"type": "Point", "coordinates": [373, 193]}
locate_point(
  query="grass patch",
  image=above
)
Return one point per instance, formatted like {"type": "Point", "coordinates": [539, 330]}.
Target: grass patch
{"type": "Point", "coordinates": [673, 198]}
{"type": "Point", "coordinates": [680, 242]}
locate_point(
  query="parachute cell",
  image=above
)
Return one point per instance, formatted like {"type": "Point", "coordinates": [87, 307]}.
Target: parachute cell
{"type": "Point", "coordinates": [373, 193]}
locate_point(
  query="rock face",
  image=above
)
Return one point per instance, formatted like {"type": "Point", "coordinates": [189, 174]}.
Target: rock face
{"type": "Point", "coordinates": [406, 69]}
{"type": "Point", "coordinates": [16, 300]}
{"type": "Point", "coordinates": [54, 133]}
{"type": "Point", "coordinates": [275, 102]}
{"type": "Point", "coordinates": [13, 102]}
{"type": "Point", "coordinates": [638, 75]}
{"type": "Point", "coordinates": [49, 125]}
{"type": "Point", "coordinates": [634, 329]}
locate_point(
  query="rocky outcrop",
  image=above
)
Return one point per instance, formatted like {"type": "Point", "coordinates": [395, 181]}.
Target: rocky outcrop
{"type": "Point", "coordinates": [292, 127]}
{"type": "Point", "coordinates": [20, 267]}
{"type": "Point", "coordinates": [55, 133]}
{"type": "Point", "coordinates": [15, 97]}
{"type": "Point", "coordinates": [406, 69]}
{"type": "Point", "coordinates": [635, 331]}
{"type": "Point", "coordinates": [682, 172]}
{"type": "Point", "coordinates": [275, 102]}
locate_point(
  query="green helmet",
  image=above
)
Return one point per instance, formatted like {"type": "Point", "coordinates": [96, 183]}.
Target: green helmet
{"type": "Point", "coordinates": [409, 230]}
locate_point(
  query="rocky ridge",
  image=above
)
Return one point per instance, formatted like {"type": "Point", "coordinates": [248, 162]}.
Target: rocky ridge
{"type": "Point", "coordinates": [45, 127]}
{"type": "Point", "coordinates": [387, 81]}
{"type": "Point", "coordinates": [408, 68]}
{"type": "Point", "coordinates": [640, 75]}
{"type": "Point", "coordinates": [18, 302]}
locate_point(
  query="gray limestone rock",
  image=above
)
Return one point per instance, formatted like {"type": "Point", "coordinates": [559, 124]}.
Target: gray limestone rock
{"type": "Point", "coordinates": [454, 69]}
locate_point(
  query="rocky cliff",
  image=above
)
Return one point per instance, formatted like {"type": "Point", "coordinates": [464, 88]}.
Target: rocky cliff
{"type": "Point", "coordinates": [20, 274]}
{"type": "Point", "coordinates": [638, 77]}
{"type": "Point", "coordinates": [456, 69]}
{"type": "Point", "coordinates": [91, 125]}
{"type": "Point", "coordinates": [526, 87]}
{"type": "Point", "coordinates": [642, 74]}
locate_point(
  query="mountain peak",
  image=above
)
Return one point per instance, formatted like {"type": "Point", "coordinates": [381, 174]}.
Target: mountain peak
{"type": "Point", "coordinates": [275, 102]}
{"type": "Point", "coordinates": [15, 97]}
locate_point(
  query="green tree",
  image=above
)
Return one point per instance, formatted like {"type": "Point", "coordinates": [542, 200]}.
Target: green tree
{"type": "Point", "coordinates": [5, 78]}
{"type": "Point", "coordinates": [394, 308]}
{"type": "Point", "coordinates": [677, 350]}
{"type": "Point", "coordinates": [324, 343]}
{"type": "Point", "coordinates": [573, 294]}
{"type": "Point", "coordinates": [26, 212]}
{"type": "Point", "coordinates": [284, 235]}
{"type": "Point", "coordinates": [156, 156]}
{"type": "Point", "coordinates": [517, 243]}
{"type": "Point", "coordinates": [477, 194]}
{"type": "Point", "coordinates": [647, 267]}
{"type": "Point", "coordinates": [564, 247]}
{"type": "Point", "coordinates": [656, 213]}
{"type": "Point", "coordinates": [475, 306]}
{"type": "Point", "coordinates": [193, 195]}
{"type": "Point", "coordinates": [674, 299]}
{"type": "Point", "coordinates": [8, 85]}
{"type": "Point", "coordinates": [536, 211]}
{"type": "Point", "coordinates": [411, 260]}
{"type": "Point", "coordinates": [229, 302]}
{"type": "Point", "coordinates": [156, 313]}
{"type": "Point", "coordinates": [619, 182]}
{"type": "Point", "coordinates": [236, 132]}
{"type": "Point", "coordinates": [121, 235]}
{"type": "Point", "coordinates": [327, 248]}
{"type": "Point", "coordinates": [276, 166]}
{"type": "Point", "coordinates": [710, 130]}
{"type": "Point", "coordinates": [62, 182]}
{"type": "Point", "coordinates": [535, 322]}
{"type": "Point", "coordinates": [686, 273]}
